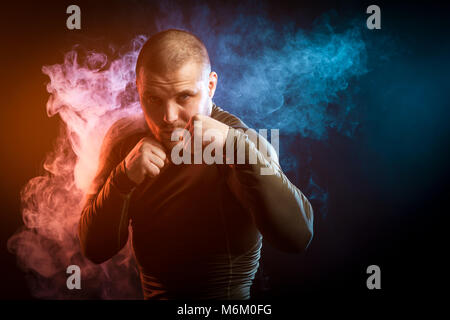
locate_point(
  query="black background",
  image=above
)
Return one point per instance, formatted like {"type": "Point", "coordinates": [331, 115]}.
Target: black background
{"type": "Point", "coordinates": [399, 229]}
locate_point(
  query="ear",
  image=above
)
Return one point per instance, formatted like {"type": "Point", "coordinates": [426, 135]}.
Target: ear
{"type": "Point", "coordinates": [137, 84]}
{"type": "Point", "coordinates": [138, 77]}
{"type": "Point", "coordinates": [212, 83]}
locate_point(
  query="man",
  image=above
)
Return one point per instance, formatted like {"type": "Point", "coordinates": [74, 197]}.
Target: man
{"type": "Point", "coordinates": [197, 228]}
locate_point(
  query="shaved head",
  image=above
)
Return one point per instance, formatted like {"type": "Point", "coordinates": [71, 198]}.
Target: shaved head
{"type": "Point", "coordinates": [174, 82]}
{"type": "Point", "coordinates": [169, 50]}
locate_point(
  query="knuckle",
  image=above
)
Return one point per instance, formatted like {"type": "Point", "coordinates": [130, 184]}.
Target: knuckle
{"type": "Point", "coordinates": [155, 170]}
{"type": "Point", "coordinates": [142, 159]}
{"type": "Point", "coordinates": [160, 162]}
{"type": "Point", "coordinates": [142, 147]}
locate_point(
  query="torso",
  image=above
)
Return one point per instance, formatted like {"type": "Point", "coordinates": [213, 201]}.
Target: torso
{"type": "Point", "coordinates": [185, 220]}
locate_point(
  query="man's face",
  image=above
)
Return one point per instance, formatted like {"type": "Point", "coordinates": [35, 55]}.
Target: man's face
{"type": "Point", "coordinates": [169, 100]}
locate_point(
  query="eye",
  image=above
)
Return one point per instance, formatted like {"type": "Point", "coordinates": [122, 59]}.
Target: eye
{"type": "Point", "coordinates": [152, 99]}
{"type": "Point", "coordinates": [184, 97]}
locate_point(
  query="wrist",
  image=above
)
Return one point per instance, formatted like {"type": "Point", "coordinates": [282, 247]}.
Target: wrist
{"type": "Point", "coordinates": [121, 180]}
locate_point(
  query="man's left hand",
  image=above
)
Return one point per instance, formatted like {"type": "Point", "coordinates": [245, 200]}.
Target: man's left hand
{"type": "Point", "coordinates": [208, 130]}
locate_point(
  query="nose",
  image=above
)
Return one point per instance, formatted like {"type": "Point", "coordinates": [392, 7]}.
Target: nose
{"type": "Point", "coordinates": [170, 113]}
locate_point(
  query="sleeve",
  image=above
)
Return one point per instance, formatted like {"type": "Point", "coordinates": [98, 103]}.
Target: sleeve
{"type": "Point", "coordinates": [103, 225]}
{"type": "Point", "coordinates": [281, 212]}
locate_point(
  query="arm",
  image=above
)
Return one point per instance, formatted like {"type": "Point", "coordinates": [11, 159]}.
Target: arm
{"type": "Point", "coordinates": [103, 225]}
{"type": "Point", "coordinates": [281, 212]}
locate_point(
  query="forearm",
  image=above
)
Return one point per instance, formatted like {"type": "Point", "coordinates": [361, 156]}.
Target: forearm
{"type": "Point", "coordinates": [280, 210]}
{"type": "Point", "coordinates": [103, 227]}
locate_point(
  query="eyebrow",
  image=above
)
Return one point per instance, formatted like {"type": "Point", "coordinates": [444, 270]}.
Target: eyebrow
{"type": "Point", "coordinates": [183, 92]}
{"type": "Point", "coordinates": [186, 91]}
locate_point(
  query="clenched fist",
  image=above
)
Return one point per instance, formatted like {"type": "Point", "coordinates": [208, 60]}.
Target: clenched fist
{"type": "Point", "coordinates": [209, 130]}
{"type": "Point", "coordinates": [147, 158]}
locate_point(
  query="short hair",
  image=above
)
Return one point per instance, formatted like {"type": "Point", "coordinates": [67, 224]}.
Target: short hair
{"type": "Point", "coordinates": [170, 49]}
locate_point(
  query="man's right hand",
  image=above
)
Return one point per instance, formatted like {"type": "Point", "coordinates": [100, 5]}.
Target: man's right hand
{"type": "Point", "coordinates": [147, 158]}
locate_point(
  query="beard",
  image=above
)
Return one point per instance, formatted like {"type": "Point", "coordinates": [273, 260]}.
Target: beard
{"type": "Point", "coordinates": [166, 137]}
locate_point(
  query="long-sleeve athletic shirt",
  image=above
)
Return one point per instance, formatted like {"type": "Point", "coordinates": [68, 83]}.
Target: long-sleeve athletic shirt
{"type": "Point", "coordinates": [196, 228]}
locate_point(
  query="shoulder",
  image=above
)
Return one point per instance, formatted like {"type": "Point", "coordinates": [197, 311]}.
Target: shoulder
{"type": "Point", "coordinates": [262, 144]}
{"type": "Point", "coordinates": [226, 117]}
{"type": "Point", "coordinates": [122, 134]}
{"type": "Point", "coordinates": [120, 138]}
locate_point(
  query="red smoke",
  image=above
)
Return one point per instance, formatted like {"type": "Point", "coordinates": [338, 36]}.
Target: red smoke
{"type": "Point", "coordinates": [88, 95]}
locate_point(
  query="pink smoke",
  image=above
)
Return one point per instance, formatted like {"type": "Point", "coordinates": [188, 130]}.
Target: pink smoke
{"type": "Point", "coordinates": [88, 95]}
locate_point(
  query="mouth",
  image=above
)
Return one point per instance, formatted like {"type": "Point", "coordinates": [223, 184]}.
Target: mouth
{"type": "Point", "coordinates": [167, 133]}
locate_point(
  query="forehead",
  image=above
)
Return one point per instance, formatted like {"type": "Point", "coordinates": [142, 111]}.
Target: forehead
{"type": "Point", "coordinates": [189, 75]}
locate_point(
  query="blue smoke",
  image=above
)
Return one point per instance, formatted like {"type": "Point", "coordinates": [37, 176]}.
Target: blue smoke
{"type": "Point", "coordinates": [279, 76]}
{"type": "Point", "coordinates": [275, 75]}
